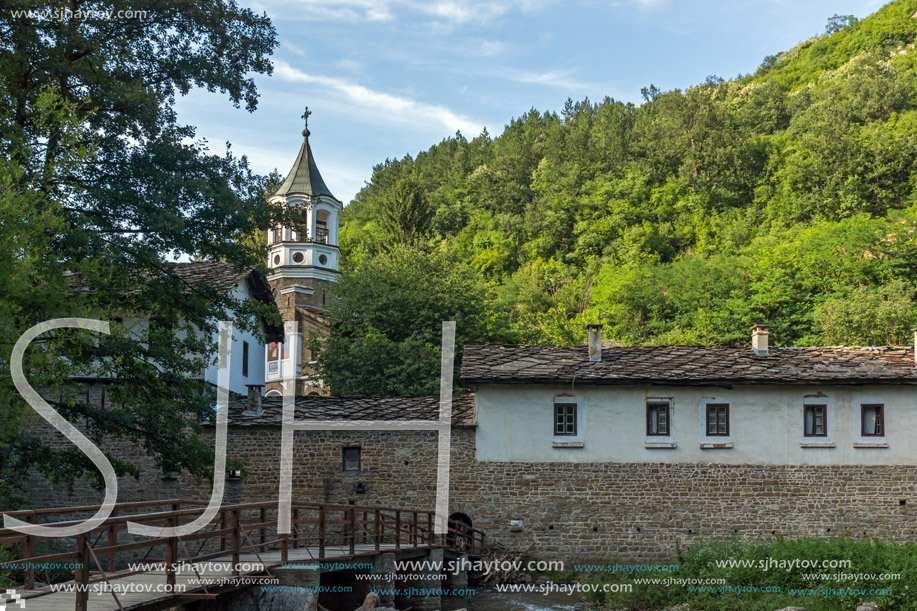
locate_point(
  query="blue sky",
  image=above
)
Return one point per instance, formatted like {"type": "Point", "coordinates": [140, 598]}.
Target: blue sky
{"type": "Point", "coordinates": [388, 77]}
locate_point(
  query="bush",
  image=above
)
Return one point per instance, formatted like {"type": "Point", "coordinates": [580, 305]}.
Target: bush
{"type": "Point", "coordinates": [765, 575]}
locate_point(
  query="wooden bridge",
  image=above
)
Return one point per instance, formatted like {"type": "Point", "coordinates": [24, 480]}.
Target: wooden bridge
{"type": "Point", "coordinates": [109, 569]}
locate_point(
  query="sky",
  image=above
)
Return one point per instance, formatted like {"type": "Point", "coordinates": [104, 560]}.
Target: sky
{"type": "Point", "coordinates": [385, 78]}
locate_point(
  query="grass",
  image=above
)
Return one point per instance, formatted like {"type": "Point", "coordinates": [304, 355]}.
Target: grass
{"type": "Point", "coordinates": [779, 586]}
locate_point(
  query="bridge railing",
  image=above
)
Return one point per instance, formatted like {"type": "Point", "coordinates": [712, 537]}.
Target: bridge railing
{"type": "Point", "coordinates": [318, 531]}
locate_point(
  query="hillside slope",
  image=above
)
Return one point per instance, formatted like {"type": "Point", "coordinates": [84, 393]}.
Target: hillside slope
{"type": "Point", "coordinates": [785, 197]}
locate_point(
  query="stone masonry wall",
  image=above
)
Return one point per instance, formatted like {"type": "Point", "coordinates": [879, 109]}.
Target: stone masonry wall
{"type": "Point", "coordinates": [570, 511]}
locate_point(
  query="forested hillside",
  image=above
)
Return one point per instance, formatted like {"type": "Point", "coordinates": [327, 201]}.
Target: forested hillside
{"type": "Point", "coordinates": [786, 196]}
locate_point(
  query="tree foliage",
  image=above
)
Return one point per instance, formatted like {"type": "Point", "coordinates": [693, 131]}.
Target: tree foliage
{"type": "Point", "coordinates": [686, 219]}
{"type": "Point", "coordinates": [100, 186]}
{"type": "Point", "coordinates": [387, 325]}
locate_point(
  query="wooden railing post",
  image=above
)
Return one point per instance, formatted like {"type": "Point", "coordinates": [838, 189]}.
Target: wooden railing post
{"type": "Point", "coordinates": [378, 530]}
{"type": "Point", "coordinates": [397, 529]}
{"type": "Point", "coordinates": [262, 517]}
{"type": "Point", "coordinates": [353, 531]}
{"type": "Point", "coordinates": [223, 524]}
{"type": "Point", "coordinates": [81, 572]}
{"type": "Point", "coordinates": [321, 532]}
{"type": "Point", "coordinates": [111, 540]}
{"type": "Point", "coordinates": [28, 550]}
{"type": "Point", "coordinates": [295, 529]}
{"type": "Point", "coordinates": [430, 536]}
{"type": "Point", "coordinates": [236, 542]}
{"type": "Point", "coordinates": [415, 525]}
{"type": "Point", "coordinates": [171, 555]}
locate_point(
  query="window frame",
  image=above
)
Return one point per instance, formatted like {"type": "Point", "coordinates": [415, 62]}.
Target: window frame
{"type": "Point", "coordinates": [246, 352]}
{"type": "Point", "coordinates": [805, 409]}
{"type": "Point", "coordinates": [880, 413]}
{"type": "Point", "coordinates": [667, 405]}
{"type": "Point", "coordinates": [359, 451]}
{"type": "Point", "coordinates": [716, 405]}
{"type": "Point", "coordinates": [570, 408]}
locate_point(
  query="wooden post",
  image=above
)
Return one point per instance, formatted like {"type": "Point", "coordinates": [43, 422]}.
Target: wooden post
{"type": "Point", "coordinates": [262, 517]}
{"type": "Point", "coordinates": [430, 536]}
{"type": "Point", "coordinates": [236, 542]}
{"type": "Point", "coordinates": [378, 531]}
{"type": "Point", "coordinates": [284, 547]}
{"type": "Point", "coordinates": [397, 529]}
{"type": "Point", "coordinates": [321, 532]}
{"type": "Point", "coordinates": [111, 540]}
{"type": "Point", "coordinates": [81, 572]}
{"type": "Point", "coordinates": [353, 531]}
{"type": "Point", "coordinates": [171, 555]}
{"type": "Point", "coordinates": [295, 529]}
{"type": "Point", "coordinates": [223, 524]}
{"type": "Point", "coordinates": [28, 550]}
{"type": "Point", "coordinates": [415, 526]}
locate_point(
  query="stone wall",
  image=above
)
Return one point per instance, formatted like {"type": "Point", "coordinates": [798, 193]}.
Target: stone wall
{"type": "Point", "coordinates": [569, 511]}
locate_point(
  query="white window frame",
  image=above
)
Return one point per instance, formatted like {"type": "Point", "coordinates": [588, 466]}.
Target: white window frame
{"type": "Point", "coordinates": [715, 442]}
{"type": "Point", "coordinates": [660, 442]}
{"type": "Point", "coordinates": [816, 442]}
{"type": "Point", "coordinates": [871, 441]}
{"type": "Point", "coordinates": [570, 441]}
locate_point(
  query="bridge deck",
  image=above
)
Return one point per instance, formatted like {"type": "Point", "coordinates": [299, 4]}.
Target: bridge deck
{"type": "Point", "coordinates": [139, 591]}
{"type": "Point", "coordinates": [105, 559]}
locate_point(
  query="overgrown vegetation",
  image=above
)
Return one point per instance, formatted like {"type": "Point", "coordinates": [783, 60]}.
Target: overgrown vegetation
{"type": "Point", "coordinates": [100, 186]}
{"type": "Point", "coordinates": [786, 197]}
{"type": "Point", "coordinates": [752, 588]}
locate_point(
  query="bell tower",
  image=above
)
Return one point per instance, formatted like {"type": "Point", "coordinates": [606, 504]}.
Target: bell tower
{"type": "Point", "coordinates": [302, 265]}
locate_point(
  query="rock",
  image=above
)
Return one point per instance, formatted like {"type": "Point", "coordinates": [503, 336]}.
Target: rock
{"type": "Point", "coordinates": [870, 606]}
{"type": "Point", "coordinates": [793, 609]}
{"type": "Point", "coordinates": [542, 580]}
{"type": "Point", "coordinates": [370, 603]}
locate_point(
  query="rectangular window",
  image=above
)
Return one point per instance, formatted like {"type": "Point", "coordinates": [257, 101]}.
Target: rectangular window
{"type": "Point", "coordinates": [815, 421]}
{"type": "Point", "coordinates": [717, 419]}
{"type": "Point", "coordinates": [873, 420]}
{"type": "Point", "coordinates": [657, 418]}
{"type": "Point", "coordinates": [564, 419]}
{"type": "Point", "coordinates": [245, 359]}
{"type": "Point", "coordinates": [350, 458]}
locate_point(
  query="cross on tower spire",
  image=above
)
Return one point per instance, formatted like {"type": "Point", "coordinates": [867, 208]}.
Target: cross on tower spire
{"type": "Point", "coordinates": [305, 118]}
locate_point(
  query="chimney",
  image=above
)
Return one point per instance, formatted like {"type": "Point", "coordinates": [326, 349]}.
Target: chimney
{"type": "Point", "coordinates": [595, 341]}
{"type": "Point", "coordinates": [254, 398]}
{"type": "Point", "coordinates": [759, 341]}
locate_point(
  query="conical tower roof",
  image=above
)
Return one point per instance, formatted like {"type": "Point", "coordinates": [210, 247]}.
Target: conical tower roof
{"type": "Point", "coordinates": [304, 178]}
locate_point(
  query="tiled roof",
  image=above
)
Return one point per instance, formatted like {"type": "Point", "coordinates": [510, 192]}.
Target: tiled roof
{"type": "Point", "coordinates": [690, 365]}
{"type": "Point", "coordinates": [304, 177]}
{"type": "Point", "coordinates": [222, 276]}
{"type": "Point", "coordinates": [319, 407]}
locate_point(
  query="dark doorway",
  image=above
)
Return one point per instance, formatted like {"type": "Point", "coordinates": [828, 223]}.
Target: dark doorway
{"type": "Point", "coordinates": [459, 536]}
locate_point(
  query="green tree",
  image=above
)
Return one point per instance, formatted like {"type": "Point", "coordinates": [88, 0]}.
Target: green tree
{"type": "Point", "coordinates": [404, 214]}
{"type": "Point", "coordinates": [869, 316]}
{"type": "Point", "coordinates": [101, 187]}
{"type": "Point", "coordinates": [385, 331]}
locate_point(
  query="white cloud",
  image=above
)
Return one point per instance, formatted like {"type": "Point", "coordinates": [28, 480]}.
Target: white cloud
{"type": "Point", "coordinates": [328, 10]}
{"type": "Point", "coordinates": [451, 11]}
{"type": "Point", "coordinates": [383, 106]}
{"type": "Point", "coordinates": [555, 78]}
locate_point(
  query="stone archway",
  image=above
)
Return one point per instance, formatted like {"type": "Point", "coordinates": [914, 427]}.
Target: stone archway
{"type": "Point", "coordinates": [459, 534]}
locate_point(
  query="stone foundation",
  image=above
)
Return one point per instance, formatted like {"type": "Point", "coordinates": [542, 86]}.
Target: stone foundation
{"type": "Point", "coordinates": [570, 511]}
